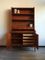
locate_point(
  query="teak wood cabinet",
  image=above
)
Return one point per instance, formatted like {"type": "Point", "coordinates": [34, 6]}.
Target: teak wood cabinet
{"type": "Point", "coordinates": [23, 28]}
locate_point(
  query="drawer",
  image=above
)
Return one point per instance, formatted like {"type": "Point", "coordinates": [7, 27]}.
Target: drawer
{"type": "Point", "coordinates": [29, 38]}
{"type": "Point", "coordinates": [28, 34]}
{"type": "Point", "coordinates": [28, 44]}
{"type": "Point", "coordinates": [28, 41]}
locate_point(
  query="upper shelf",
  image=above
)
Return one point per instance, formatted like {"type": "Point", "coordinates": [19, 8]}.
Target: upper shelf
{"type": "Point", "coordinates": [23, 17]}
{"type": "Point", "coordinates": [23, 11]}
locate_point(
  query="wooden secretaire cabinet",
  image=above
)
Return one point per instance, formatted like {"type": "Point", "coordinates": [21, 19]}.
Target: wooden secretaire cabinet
{"type": "Point", "coordinates": [23, 28]}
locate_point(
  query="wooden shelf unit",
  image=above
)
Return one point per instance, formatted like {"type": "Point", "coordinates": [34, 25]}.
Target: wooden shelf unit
{"type": "Point", "coordinates": [23, 28]}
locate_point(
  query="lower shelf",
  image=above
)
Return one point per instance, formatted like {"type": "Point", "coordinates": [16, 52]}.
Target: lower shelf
{"type": "Point", "coordinates": [31, 42]}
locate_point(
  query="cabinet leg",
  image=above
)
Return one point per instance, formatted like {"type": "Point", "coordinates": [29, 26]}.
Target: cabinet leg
{"type": "Point", "coordinates": [34, 48]}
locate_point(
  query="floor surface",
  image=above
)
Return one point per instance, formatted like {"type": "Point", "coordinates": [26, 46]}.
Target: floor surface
{"type": "Point", "coordinates": [22, 54]}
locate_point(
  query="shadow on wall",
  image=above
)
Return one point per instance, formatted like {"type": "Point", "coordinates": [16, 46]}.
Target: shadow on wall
{"type": "Point", "coordinates": [8, 20]}
{"type": "Point", "coordinates": [7, 15]}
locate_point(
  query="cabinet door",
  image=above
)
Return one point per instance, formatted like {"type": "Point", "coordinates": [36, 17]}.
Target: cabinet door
{"type": "Point", "coordinates": [16, 39]}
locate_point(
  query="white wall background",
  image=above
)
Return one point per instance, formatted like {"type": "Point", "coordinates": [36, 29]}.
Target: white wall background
{"type": "Point", "coordinates": [39, 17]}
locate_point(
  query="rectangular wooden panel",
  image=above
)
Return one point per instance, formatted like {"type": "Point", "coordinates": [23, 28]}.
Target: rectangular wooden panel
{"type": "Point", "coordinates": [22, 17]}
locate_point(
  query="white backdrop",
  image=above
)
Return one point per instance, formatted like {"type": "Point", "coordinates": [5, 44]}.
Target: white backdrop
{"type": "Point", "coordinates": [39, 17]}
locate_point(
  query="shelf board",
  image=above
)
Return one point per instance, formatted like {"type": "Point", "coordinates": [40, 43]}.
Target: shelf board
{"type": "Point", "coordinates": [22, 14]}
{"type": "Point", "coordinates": [22, 29]}
{"type": "Point", "coordinates": [23, 32]}
{"type": "Point", "coordinates": [24, 8]}
{"type": "Point", "coordinates": [22, 20]}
